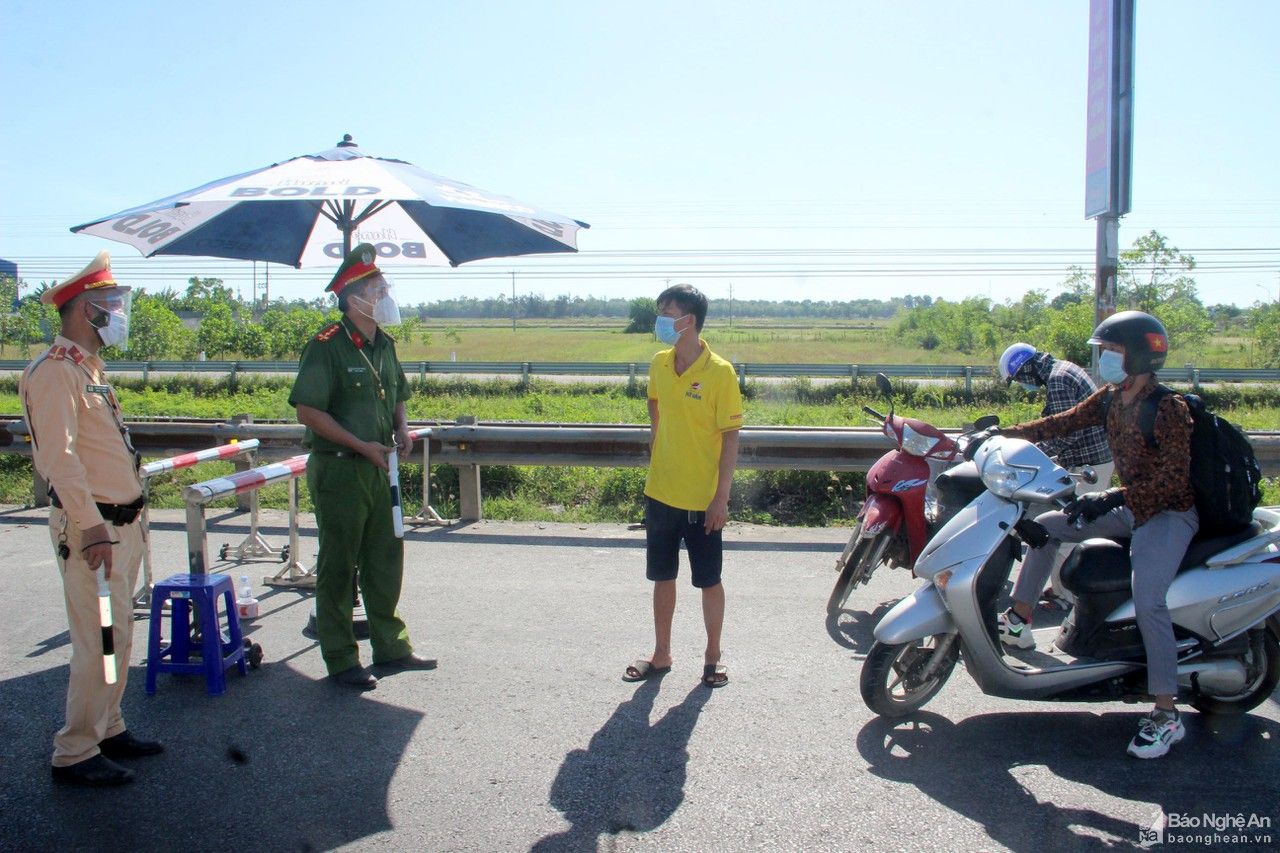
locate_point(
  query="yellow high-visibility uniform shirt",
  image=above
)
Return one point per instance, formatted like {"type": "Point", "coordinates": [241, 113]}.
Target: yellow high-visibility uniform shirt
{"type": "Point", "coordinates": [695, 409]}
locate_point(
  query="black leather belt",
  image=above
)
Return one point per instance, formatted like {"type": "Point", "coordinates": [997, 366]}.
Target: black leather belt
{"type": "Point", "coordinates": [341, 454]}
{"type": "Point", "coordinates": [116, 514]}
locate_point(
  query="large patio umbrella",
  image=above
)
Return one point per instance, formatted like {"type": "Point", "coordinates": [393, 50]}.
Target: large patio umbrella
{"type": "Point", "coordinates": [309, 210]}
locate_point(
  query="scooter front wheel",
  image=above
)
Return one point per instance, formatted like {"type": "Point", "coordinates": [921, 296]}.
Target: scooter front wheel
{"type": "Point", "coordinates": [899, 678]}
{"type": "Point", "coordinates": [859, 560]}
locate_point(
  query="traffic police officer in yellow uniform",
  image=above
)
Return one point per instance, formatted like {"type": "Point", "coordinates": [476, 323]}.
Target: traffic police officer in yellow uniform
{"type": "Point", "coordinates": [81, 447]}
{"type": "Point", "coordinates": [350, 394]}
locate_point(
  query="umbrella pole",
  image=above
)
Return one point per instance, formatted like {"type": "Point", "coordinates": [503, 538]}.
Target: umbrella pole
{"type": "Point", "coordinates": [347, 224]}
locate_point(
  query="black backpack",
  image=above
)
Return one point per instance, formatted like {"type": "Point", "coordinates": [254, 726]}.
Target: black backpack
{"type": "Point", "coordinates": [1225, 475]}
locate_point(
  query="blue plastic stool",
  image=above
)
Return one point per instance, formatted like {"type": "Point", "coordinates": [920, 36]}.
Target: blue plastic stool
{"type": "Point", "coordinates": [216, 657]}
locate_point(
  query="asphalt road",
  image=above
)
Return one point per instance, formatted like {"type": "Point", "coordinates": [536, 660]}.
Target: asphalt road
{"type": "Point", "coordinates": [525, 738]}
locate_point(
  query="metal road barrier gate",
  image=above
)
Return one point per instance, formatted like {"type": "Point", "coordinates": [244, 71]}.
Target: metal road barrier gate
{"type": "Point", "coordinates": [428, 514]}
{"type": "Point", "coordinates": [198, 495]}
{"type": "Point", "coordinates": [233, 450]}
{"type": "Point", "coordinates": [294, 573]}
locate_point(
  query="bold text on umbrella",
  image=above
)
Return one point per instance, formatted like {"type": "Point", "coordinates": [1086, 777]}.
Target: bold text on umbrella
{"type": "Point", "coordinates": [138, 226]}
{"type": "Point", "coordinates": [385, 250]}
{"type": "Point", "coordinates": [286, 192]}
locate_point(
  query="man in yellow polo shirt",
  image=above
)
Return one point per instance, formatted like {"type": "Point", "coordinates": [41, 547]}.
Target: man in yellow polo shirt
{"type": "Point", "coordinates": [695, 412]}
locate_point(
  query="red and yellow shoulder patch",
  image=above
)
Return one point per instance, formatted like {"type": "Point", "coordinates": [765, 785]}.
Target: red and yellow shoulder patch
{"type": "Point", "coordinates": [61, 353]}
{"type": "Point", "coordinates": [328, 331]}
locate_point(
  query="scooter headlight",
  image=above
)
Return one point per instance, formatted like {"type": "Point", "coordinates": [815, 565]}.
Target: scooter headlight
{"type": "Point", "coordinates": [1004, 479]}
{"type": "Point", "coordinates": [915, 443]}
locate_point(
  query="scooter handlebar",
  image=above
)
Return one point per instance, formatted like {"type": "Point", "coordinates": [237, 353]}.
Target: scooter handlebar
{"type": "Point", "coordinates": [870, 411]}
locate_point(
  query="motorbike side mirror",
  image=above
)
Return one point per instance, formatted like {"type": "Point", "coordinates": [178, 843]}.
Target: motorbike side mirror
{"type": "Point", "coordinates": [885, 387]}
{"type": "Point", "coordinates": [986, 422]}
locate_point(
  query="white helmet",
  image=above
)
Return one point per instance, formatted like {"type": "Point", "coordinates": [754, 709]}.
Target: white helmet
{"type": "Point", "coordinates": [1012, 359]}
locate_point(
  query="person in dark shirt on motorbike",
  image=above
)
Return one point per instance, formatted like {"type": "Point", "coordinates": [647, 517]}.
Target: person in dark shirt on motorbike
{"type": "Point", "coordinates": [1154, 506]}
{"type": "Point", "coordinates": [1065, 385]}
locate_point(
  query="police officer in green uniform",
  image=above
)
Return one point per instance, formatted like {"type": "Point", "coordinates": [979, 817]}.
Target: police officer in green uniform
{"type": "Point", "coordinates": [350, 394]}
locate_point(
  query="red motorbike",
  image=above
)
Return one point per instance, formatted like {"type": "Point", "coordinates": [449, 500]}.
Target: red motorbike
{"type": "Point", "coordinates": [893, 525]}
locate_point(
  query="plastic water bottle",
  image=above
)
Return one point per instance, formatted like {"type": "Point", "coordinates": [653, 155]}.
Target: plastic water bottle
{"type": "Point", "coordinates": [246, 604]}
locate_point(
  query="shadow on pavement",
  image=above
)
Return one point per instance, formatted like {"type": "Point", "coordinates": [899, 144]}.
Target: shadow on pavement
{"type": "Point", "coordinates": [853, 629]}
{"type": "Point", "coordinates": [971, 768]}
{"type": "Point", "coordinates": [287, 763]}
{"type": "Point", "coordinates": [631, 776]}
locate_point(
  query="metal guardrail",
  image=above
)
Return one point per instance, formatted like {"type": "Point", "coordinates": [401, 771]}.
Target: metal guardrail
{"type": "Point", "coordinates": [1188, 374]}
{"type": "Point", "coordinates": [469, 447]}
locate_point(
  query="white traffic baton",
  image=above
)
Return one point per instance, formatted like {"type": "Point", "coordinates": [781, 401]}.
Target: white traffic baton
{"type": "Point", "coordinates": [393, 472]}
{"type": "Point", "coordinates": [104, 620]}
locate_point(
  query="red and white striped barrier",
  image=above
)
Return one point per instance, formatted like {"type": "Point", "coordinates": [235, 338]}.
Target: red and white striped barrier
{"type": "Point", "coordinates": [246, 481]}
{"type": "Point", "coordinates": [223, 452]}
{"type": "Point", "coordinates": [290, 470]}
{"type": "Point", "coordinates": [186, 460]}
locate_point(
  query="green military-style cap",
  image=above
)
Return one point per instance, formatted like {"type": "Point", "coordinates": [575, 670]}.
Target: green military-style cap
{"type": "Point", "coordinates": [359, 263]}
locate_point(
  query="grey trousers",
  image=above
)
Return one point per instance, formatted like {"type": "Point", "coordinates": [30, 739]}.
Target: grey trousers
{"type": "Point", "coordinates": [1155, 551]}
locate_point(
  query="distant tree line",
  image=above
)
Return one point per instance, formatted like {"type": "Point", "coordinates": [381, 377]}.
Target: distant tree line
{"type": "Point", "coordinates": [207, 317]}
{"type": "Point", "coordinates": [536, 306]}
{"type": "Point", "coordinates": [1153, 276]}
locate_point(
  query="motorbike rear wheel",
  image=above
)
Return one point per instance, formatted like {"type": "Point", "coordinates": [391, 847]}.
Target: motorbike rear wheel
{"type": "Point", "coordinates": [893, 675]}
{"type": "Point", "coordinates": [859, 560]}
{"type": "Point", "coordinates": [1256, 692]}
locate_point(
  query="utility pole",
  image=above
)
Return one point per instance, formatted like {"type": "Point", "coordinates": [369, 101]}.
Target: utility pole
{"type": "Point", "coordinates": [513, 300]}
{"type": "Point", "coordinates": [730, 305]}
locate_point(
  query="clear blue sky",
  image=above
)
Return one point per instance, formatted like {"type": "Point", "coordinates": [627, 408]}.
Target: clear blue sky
{"type": "Point", "coordinates": [824, 150]}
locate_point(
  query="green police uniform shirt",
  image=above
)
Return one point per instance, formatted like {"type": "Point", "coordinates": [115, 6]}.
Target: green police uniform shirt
{"type": "Point", "coordinates": [357, 381]}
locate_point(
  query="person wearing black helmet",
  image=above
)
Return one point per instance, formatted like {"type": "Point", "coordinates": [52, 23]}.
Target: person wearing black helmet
{"type": "Point", "coordinates": [1154, 506]}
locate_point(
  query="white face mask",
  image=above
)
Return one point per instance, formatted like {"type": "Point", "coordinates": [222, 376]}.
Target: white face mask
{"type": "Point", "coordinates": [1111, 367]}
{"type": "Point", "coordinates": [114, 328]}
{"type": "Point", "coordinates": [386, 312]}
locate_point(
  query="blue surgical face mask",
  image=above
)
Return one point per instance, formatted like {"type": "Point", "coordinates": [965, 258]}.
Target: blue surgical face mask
{"type": "Point", "coordinates": [1111, 367]}
{"type": "Point", "coordinates": [665, 329]}
{"type": "Point", "coordinates": [1030, 387]}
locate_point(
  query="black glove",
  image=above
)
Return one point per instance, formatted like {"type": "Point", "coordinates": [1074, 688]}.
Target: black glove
{"type": "Point", "coordinates": [1032, 532]}
{"type": "Point", "coordinates": [1092, 506]}
{"type": "Point", "coordinates": [977, 439]}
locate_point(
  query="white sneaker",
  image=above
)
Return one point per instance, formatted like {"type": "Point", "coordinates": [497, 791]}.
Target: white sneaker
{"type": "Point", "coordinates": [1157, 731]}
{"type": "Point", "coordinates": [1015, 631]}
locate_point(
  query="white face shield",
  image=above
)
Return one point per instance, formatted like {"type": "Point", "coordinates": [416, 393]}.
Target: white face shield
{"type": "Point", "coordinates": [378, 302]}
{"type": "Point", "coordinates": [109, 314]}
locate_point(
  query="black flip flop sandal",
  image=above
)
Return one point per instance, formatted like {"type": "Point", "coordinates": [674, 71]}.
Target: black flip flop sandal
{"type": "Point", "coordinates": [643, 670]}
{"type": "Point", "coordinates": [715, 675]}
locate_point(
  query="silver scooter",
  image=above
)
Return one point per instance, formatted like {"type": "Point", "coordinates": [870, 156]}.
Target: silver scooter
{"type": "Point", "coordinates": [1224, 603]}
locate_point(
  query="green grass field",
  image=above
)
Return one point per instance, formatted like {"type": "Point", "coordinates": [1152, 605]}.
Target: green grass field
{"type": "Point", "coordinates": [760, 341]}
{"type": "Point", "coordinates": [589, 494]}
{"type": "Point", "coordinates": [773, 341]}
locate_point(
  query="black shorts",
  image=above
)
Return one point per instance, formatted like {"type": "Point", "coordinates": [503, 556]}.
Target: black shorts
{"type": "Point", "coordinates": [665, 527]}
